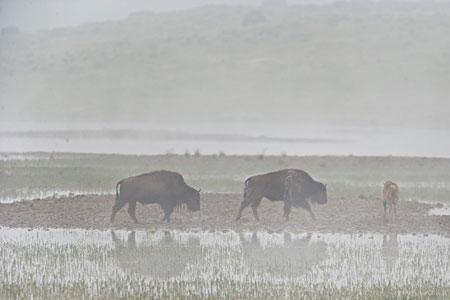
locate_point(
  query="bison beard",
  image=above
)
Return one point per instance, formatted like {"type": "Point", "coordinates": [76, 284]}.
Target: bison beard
{"type": "Point", "coordinates": [168, 189]}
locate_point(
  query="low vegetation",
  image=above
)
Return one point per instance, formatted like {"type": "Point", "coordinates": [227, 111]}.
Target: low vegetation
{"type": "Point", "coordinates": [34, 175]}
{"type": "Point", "coordinates": [59, 264]}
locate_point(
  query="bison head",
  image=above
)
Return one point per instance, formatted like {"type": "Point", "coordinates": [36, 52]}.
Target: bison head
{"type": "Point", "coordinates": [193, 200]}
{"type": "Point", "coordinates": [321, 195]}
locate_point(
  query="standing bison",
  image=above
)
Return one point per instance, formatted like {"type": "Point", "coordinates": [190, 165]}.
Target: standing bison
{"type": "Point", "coordinates": [166, 188]}
{"type": "Point", "coordinates": [294, 187]}
{"type": "Point", "coordinates": [391, 193]}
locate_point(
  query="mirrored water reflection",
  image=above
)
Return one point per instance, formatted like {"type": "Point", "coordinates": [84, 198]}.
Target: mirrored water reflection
{"type": "Point", "coordinates": [170, 263]}
{"type": "Point", "coordinates": [166, 258]}
{"type": "Point", "coordinates": [290, 257]}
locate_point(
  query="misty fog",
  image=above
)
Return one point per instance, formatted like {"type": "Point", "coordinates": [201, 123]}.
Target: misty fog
{"type": "Point", "coordinates": [224, 149]}
{"type": "Point", "coordinates": [367, 77]}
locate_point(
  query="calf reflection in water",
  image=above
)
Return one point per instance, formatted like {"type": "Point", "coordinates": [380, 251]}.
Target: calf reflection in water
{"type": "Point", "coordinates": [155, 259]}
{"type": "Point", "coordinates": [292, 258]}
{"type": "Point", "coordinates": [390, 251]}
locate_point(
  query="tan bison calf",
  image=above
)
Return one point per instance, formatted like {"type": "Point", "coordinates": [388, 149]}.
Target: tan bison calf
{"type": "Point", "coordinates": [391, 193]}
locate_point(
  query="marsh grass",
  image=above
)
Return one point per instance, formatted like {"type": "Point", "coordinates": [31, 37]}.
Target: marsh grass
{"type": "Point", "coordinates": [57, 264]}
{"type": "Point", "coordinates": [425, 179]}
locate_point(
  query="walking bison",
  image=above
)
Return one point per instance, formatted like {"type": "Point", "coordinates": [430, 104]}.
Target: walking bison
{"type": "Point", "coordinates": [294, 187]}
{"type": "Point", "coordinates": [391, 193]}
{"type": "Point", "coordinates": [168, 189]}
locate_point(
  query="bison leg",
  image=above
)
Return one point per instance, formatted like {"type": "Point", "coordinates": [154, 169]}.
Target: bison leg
{"type": "Point", "coordinates": [132, 211]}
{"type": "Point", "coordinates": [392, 212]}
{"type": "Point", "coordinates": [167, 213]}
{"type": "Point", "coordinates": [244, 204]}
{"type": "Point", "coordinates": [255, 205]}
{"type": "Point", "coordinates": [117, 206]}
{"type": "Point", "coordinates": [307, 207]}
{"type": "Point", "coordinates": [389, 212]}
{"type": "Point", "coordinates": [287, 210]}
{"type": "Point", "coordinates": [385, 211]}
{"type": "Point", "coordinates": [395, 212]}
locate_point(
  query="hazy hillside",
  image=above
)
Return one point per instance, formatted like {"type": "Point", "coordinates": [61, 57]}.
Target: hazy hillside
{"type": "Point", "coordinates": [387, 63]}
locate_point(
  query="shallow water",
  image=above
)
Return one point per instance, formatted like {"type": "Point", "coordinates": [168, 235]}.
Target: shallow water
{"type": "Point", "coordinates": [212, 263]}
{"type": "Point", "coordinates": [440, 211]}
{"type": "Point", "coordinates": [231, 139]}
{"type": "Point", "coordinates": [28, 194]}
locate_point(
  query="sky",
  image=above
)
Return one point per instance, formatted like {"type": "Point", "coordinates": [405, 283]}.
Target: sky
{"type": "Point", "coordinates": [33, 15]}
{"type": "Point", "coordinates": [425, 62]}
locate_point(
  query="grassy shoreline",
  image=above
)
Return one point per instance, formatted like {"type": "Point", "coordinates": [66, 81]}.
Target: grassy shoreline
{"type": "Point", "coordinates": [30, 175]}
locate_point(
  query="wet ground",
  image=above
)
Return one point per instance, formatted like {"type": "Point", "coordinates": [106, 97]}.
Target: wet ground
{"type": "Point", "coordinates": [218, 212]}
{"type": "Point", "coordinates": [173, 264]}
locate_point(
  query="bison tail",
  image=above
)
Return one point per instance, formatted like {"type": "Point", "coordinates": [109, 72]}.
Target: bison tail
{"type": "Point", "coordinates": [118, 204]}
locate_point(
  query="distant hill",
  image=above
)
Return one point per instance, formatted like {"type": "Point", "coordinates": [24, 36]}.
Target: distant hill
{"type": "Point", "coordinates": [369, 63]}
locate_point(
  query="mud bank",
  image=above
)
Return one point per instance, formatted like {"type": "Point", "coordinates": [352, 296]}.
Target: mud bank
{"type": "Point", "coordinates": [218, 212]}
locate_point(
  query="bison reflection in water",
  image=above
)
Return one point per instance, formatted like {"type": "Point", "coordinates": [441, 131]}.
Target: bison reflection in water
{"type": "Point", "coordinates": [163, 259]}
{"type": "Point", "coordinates": [168, 189]}
{"type": "Point", "coordinates": [390, 251]}
{"type": "Point", "coordinates": [292, 258]}
{"type": "Point", "coordinates": [294, 187]}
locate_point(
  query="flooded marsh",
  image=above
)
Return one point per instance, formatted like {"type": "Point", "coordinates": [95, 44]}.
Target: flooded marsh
{"type": "Point", "coordinates": [59, 263]}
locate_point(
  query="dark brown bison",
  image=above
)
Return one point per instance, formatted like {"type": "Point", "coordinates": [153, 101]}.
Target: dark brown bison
{"type": "Point", "coordinates": [166, 188]}
{"type": "Point", "coordinates": [391, 193]}
{"type": "Point", "coordinates": [294, 187]}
